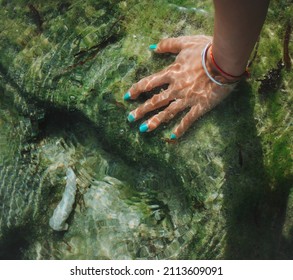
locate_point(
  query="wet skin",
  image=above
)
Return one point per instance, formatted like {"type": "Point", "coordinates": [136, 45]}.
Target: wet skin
{"type": "Point", "coordinates": [188, 86]}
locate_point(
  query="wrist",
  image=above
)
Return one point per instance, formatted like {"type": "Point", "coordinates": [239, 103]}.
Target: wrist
{"type": "Point", "coordinates": [229, 61]}
{"type": "Point", "coordinates": [217, 72]}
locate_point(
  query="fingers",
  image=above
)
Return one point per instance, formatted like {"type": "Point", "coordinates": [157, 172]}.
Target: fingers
{"type": "Point", "coordinates": [170, 45]}
{"type": "Point", "coordinates": [175, 45]}
{"type": "Point", "coordinates": [169, 113]}
{"type": "Point", "coordinates": [157, 101]}
{"type": "Point", "coordinates": [194, 113]}
{"type": "Point", "coordinates": [147, 84]}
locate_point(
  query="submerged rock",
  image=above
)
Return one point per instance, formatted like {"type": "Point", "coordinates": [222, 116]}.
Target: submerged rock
{"type": "Point", "coordinates": [64, 208]}
{"type": "Point", "coordinates": [220, 192]}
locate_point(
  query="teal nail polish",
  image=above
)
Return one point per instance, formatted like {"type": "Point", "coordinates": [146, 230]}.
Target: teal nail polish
{"type": "Point", "coordinates": [126, 96]}
{"type": "Point", "coordinates": [153, 47]}
{"type": "Point", "coordinates": [143, 128]}
{"type": "Point", "coordinates": [131, 118]}
{"type": "Point", "coordinates": [173, 136]}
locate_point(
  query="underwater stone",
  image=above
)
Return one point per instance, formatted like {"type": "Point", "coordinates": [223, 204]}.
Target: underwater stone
{"type": "Point", "coordinates": [64, 208]}
{"type": "Point", "coordinates": [240, 150]}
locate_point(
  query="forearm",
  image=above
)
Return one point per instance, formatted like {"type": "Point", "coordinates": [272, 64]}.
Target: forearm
{"type": "Point", "coordinates": [237, 26]}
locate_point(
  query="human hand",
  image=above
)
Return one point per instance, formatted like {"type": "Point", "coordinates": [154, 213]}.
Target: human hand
{"type": "Point", "coordinates": [189, 86]}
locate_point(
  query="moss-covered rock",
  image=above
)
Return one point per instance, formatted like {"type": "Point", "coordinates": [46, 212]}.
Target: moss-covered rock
{"type": "Point", "coordinates": [232, 171]}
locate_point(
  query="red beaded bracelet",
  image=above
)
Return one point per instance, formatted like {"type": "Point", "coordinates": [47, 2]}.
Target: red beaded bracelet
{"type": "Point", "coordinates": [244, 74]}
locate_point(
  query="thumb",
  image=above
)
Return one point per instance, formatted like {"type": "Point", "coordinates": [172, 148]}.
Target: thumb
{"type": "Point", "coordinates": [169, 45]}
{"type": "Point", "coordinates": [175, 45]}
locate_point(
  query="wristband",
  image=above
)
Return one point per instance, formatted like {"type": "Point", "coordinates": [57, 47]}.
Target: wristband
{"type": "Point", "coordinates": [244, 74]}
{"type": "Point", "coordinates": [203, 62]}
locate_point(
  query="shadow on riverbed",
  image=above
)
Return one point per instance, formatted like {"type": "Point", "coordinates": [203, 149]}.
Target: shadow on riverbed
{"type": "Point", "coordinates": [255, 207]}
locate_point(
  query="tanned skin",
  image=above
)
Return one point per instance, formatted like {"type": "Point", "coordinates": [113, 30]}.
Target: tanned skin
{"type": "Point", "coordinates": [237, 27]}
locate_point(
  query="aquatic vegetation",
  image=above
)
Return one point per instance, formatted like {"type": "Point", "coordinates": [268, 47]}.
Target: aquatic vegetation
{"type": "Point", "coordinates": [223, 191]}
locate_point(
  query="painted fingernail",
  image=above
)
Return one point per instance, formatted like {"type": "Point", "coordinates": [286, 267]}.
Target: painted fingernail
{"type": "Point", "coordinates": [143, 128]}
{"type": "Point", "coordinates": [153, 47]}
{"type": "Point", "coordinates": [131, 118]}
{"type": "Point", "coordinates": [173, 136]}
{"type": "Point", "coordinates": [126, 96]}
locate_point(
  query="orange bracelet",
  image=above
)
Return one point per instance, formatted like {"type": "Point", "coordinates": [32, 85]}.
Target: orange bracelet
{"type": "Point", "coordinates": [244, 74]}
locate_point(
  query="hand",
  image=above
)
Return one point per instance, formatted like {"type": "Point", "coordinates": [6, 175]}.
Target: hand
{"type": "Point", "coordinates": [189, 86]}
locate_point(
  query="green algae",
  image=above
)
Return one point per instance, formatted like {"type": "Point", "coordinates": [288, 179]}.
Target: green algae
{"type": "Point", "coordinates": [233, 167]}
{"type": "Point", "coordinates": [274, 107]}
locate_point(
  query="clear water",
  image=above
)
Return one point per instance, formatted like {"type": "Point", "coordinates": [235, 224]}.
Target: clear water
{"type": "Point", "coordinates": [64, 68]}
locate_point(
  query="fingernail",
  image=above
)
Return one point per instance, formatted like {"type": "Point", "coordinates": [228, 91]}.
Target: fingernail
{"type": "Point", "coordinates": [173, 136]}
{"type": "Point", "coordinates": [153, 47]}
{"type": "Point", "coordinates": [143, 128]}
{"type": "Point", "coordinates": [131, 118]}
{"type": "Point", "coordinates": [126, 96]}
